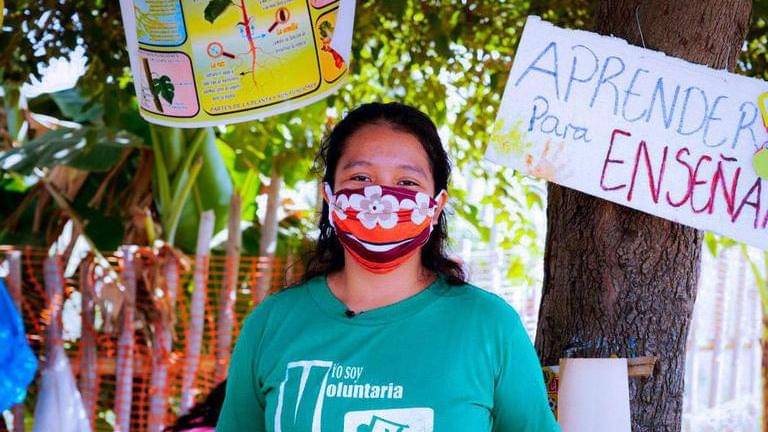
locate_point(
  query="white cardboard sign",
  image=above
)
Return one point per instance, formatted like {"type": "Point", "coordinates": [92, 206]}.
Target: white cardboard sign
{"type": "Point", "coordinates": [636, 127]}
{"type": "Point", "coordinates": [594, 395]}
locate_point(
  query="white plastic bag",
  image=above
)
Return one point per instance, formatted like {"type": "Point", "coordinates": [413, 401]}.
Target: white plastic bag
{"type": "Point", "coordinates": [59, 405]}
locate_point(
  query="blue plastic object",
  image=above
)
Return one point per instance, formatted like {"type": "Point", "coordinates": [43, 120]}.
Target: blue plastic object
{"type": "Point", "coordinates": [17, 361]}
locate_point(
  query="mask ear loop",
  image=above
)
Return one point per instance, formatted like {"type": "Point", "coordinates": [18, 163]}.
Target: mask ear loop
{"type": "Point", "coordinates": [330, 201]}
{"type": "Point", "coordinates": [437, 204]}
{"type": "Point", "coordinates": [328, 195]}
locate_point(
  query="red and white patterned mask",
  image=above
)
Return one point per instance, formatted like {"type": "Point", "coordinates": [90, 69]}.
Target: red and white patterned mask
{"type": "Point", "coordinates": [381, 226]}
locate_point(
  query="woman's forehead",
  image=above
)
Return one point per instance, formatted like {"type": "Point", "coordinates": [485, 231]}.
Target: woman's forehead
{"type": "Point", "coordinates": [383, 146]}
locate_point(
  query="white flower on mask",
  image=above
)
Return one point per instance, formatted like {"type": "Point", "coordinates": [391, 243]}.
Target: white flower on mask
{"type": "Point", "coordinates": [342, 203]}
{"type": "Point", "coordinates": [421, 208]}
{"type": "Point", "coordinates": [374, 208]}
{"type": "Point", "coordinates": [339, 203]}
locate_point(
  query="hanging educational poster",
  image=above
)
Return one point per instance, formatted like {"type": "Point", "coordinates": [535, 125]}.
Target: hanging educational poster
{"type": "Point", "coordinates": [630, 125]}
{"type": "Point", "coordinates": [209, 62]}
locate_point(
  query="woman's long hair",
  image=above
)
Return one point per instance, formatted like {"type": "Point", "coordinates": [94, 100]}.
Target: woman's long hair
{"type": "Point", "coordinates": [328, 254]}
{"type": "Point", "coordinates": [204, 413]}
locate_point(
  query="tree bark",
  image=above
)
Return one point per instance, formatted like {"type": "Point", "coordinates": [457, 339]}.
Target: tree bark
{"type": "Point", "coordinates": [619, 281]}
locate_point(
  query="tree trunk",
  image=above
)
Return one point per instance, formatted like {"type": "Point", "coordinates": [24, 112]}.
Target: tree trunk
{"type": "Point", "coordinates": [228, 290]}
{"type": "Point", "coordinates": [197, 309]}
{"type": "Point", "coordinates": [126, 345]}
{"type": "Point", "coordinates": [268, 240]}
{"type": "Point", "coordinates": [619, 281]}
{"type": "Point", "coordinates": [163, 343]}
{"type": "Point", "coordinates": [89, 351]}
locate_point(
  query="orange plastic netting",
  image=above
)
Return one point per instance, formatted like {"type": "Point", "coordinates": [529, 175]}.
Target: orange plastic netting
{"type": "Point", "coordinates": [116, 391]}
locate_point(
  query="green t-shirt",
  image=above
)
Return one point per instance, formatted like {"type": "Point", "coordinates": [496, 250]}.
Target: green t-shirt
{"type": "Point", "coordinates": [449, 358]}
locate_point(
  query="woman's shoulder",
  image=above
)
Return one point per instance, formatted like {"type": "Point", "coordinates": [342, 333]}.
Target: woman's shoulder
{"type": "Point", "coordinates": [292, 293]}
{"type": "Point", "coordinates": [481, 301]}
{"type": "Point", "coordinates": [279, 302]}
{"type": "Point", "coordinates": [487, 313]}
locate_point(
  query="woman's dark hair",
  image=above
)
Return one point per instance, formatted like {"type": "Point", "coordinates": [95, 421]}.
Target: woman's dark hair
{"type": "Point", "coordinates": [328, 254]}
{"type": "Point", "coordinates": [205, 413]}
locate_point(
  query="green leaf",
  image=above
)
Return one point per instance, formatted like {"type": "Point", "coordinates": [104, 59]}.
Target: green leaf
{"type": "Point", "coordinates": [75, 107]}
{"type": "Point", "coordinates": [532, 198]}
{"type": "Point", "coordinates": [164, 87]}
{"type": "Point", "coordinates": [87, 148]}
{"type": "Point", "coordinates": [516, 270]}
{"type": "Point", "coordinates": [180, 202]}
{"type": "Point", "coordinates": [215, 8]}
{"type": "Point", "coordinates": [172, 145]}
{"type": "Point", "coordinates": [395, 8]}
{"type": "Point", "coordinates": [711, 241]}
{"type": "Point", "coordinates": [245, 180]}
{"type": "Point", "coordinates": [11, 182]}
{"type": "Point", "coordinates": [161, 176]}
{"type": "Point", "coordinates": [215, 190]}
{"type": "Point", "coordinates": [106, 232]}
{"type": "Point", "coordinates": [760, 9]}
{"type": "Point", "coordinates": [250, 240]}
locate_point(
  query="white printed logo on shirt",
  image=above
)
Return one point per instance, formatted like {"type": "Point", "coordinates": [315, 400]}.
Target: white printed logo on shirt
{"type": "Point", "coordinates": [390, 420]}
{"type": "Point", "coordinates": [309, 383]}
{"type": "Point", "coordinates": [302, 392]}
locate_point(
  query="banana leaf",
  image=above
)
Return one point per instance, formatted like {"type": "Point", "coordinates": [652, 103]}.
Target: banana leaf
{"type": "Point", "coordinates": [212, 191]}
{"type": "Point", "coordinates": [88, 148]}
{"type": "Point", "coordinates": [177, 165]}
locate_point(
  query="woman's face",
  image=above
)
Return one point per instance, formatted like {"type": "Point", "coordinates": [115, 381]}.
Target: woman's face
{"type": "Point", "coordinates": [380, 154]}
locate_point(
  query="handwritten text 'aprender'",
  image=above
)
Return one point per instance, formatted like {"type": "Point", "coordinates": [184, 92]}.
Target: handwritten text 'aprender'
{"type": "Point", "coordinates": [637, 95]}
{"type": "Point", "coordinates": [712, 180]}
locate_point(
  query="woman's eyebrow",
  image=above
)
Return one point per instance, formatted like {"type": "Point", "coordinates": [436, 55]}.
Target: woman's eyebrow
{"type": "Point", "coordinates": [354, 163]}
{"type": "Point", "coordinates": [413, 168]}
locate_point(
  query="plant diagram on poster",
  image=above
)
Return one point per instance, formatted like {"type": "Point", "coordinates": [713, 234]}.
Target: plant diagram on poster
{"type": "Point", "coordinates": [214, 62]}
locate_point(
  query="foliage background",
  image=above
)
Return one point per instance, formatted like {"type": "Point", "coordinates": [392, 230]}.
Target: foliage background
{"type": "Point", "coordinates": [449, 58]}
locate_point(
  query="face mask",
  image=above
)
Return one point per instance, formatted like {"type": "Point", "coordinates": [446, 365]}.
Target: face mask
{"type": "Point", "coordinates": [381, 226]}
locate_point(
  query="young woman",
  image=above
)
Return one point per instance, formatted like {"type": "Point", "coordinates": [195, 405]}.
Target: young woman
{"type": "Point", "coordinates": [384, 333]}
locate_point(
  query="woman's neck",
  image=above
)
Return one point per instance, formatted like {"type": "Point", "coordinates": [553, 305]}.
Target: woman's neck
{"type": "Point", "coordinates": [362, 290]}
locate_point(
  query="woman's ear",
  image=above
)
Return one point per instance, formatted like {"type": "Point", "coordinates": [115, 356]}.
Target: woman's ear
{"type": "Point", "coordinates": [325, 190]}
{"type": "Point", "coordinates": [442, 200]}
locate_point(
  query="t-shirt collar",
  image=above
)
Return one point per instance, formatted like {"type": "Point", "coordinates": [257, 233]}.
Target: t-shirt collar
{"type": "Point", "coordinates": [336, 309]}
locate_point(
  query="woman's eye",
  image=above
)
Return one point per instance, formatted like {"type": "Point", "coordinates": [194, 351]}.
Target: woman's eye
{"type": "Point", "coordinates": [360, 178]}
{"type": "Point", "coordinates": [407, 183]}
